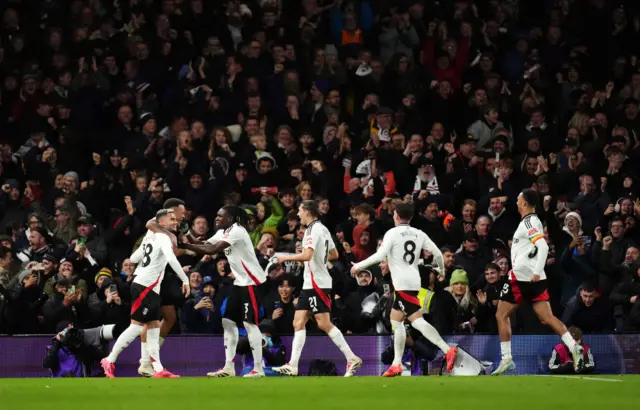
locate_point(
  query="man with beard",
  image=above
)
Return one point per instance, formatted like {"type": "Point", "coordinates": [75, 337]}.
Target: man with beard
{"type": "Point", "coordinates": [363, 308]}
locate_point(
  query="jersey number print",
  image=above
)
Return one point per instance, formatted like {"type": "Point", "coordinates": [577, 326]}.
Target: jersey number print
{"type": "Point", "coordinates": [409, 252]}
{"type": "Point", "coordinates": [146, 258]}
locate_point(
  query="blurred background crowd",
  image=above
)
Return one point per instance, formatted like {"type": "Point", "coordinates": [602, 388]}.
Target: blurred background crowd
{"type": "Point", "coordinates": [108, 108]}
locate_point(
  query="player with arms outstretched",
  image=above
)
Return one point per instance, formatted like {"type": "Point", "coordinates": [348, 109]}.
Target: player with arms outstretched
{"type": "Point", "coordinates": [315, 298]}
{"type": "Point", "coordinates": [155, 251]}
{"type": "Point", "coordinates": [527, 282]}
{"type": "Point", "coordinates": [402, 246]}
{"type": "Point", "coordinates": [243, 304]}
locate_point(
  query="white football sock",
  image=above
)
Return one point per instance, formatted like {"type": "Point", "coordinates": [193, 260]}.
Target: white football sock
{"type": "Point", "coordinates": [567, 339]}
{"type": "Point", "coordinates": [125, 339]}
{"type": "Point", "coordinates": [338, 338]}
{"type": "Point", "coordinates": [255, 341]}
{"type": "Point", "coordinates": [153, 347]}
{"type": "Point", "coordinates": [299, 337]}
{"type": "Point", "coordinates": [505, 349]}
{"type": "Point", "coordinates": [230, 341]}
{"type": "Point", "coordinates": [430, 333]}
{"type": "Point", "coordinates": [399, 341]}
{"type": "Point", "coordinates": [144, 351]}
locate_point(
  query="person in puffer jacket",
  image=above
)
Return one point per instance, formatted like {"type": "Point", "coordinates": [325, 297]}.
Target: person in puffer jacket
{"type": "Point", "coordinates": [561, 361]}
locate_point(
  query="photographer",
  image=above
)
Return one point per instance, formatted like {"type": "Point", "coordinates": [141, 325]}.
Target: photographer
{"type": "Point", "coordinates": [76, 352]}
{"type": "Point", "coordinates": [362, 311]}
{"type": "Point", "coordinates": [25, 303]}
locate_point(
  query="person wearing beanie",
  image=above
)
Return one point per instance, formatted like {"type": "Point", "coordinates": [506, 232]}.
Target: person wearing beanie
{"type": "Point", "coordinates": [101, 276]}
{"type": "Point", "coordinates": [467, 304]}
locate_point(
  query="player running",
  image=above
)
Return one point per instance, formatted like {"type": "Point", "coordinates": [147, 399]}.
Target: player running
{"type": "Point", "coordinates": [170, 288]}
{"type": "Point", "coordinates": [315, 298]}
{"type": "Point", "coordinates": [402, 246]}
{"type": "Point", "coordinates": [155, 251]}
{"type": "Point", "coordinates": [243, 304]}
{"type": "Point", "coordinates": [528, 283]}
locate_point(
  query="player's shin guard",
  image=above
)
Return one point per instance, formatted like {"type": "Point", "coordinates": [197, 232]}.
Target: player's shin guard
{"type": "Point", "coordinates": [299, 337]}
{"type": "Point", "coordinates": [153, 347]}
{"type": "Point", "coordinates": [338, 338]}
{"type": "Point", "coordinates": [399, 341]}
{"type": "Point", "coordinates": [430, 333]}
{"type": "Point", "coordinates": [255, 341]}
{"type": "Point", "coordinates": [125, 339]}
{"type": "Point", "coordinates": [230, 341]}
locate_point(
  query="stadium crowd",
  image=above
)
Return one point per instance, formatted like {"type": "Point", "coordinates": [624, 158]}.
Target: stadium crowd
{"type": "Point", "coordinates": [110, 108]}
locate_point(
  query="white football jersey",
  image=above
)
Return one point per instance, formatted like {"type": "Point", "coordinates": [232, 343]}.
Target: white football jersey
{"type": "Point", "coordinates": [241, 255]}
{"type": "Point", "coordinates": [402, 246]}
{"type": "Point", "coordinates": [152, 256]}
{"type": "Point", "coordinates": [318, 238]}
{"type": "Point", "coordinates": [524, 254]}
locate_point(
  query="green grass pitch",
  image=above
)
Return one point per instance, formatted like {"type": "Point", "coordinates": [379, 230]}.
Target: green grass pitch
{"type": "Point", "coordinates": [324, 393]}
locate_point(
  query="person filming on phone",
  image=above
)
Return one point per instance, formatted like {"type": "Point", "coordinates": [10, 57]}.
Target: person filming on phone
{"type": "Point", "coordinates": [278, 307]}
{"type": "Point", "coordinates": [200, 315]}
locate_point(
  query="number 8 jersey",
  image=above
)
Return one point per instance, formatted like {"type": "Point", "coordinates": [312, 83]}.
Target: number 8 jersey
{"type": "Point", "coordinates": [316, 274]}
{"type": "Point", "coordinates": [403, 246]}
{"type": "Point", "coordinates": [152, 261]}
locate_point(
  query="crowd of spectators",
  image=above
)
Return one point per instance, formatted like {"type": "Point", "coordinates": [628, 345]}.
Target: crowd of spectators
{"type": "Point", "coordinates": [108, 108]}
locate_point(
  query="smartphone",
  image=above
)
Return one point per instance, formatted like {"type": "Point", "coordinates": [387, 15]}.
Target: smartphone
{"type": "Point", "coordinates": [71, 290]}
{"type": "Point", "coordinates": [276, 305]}
{"type": "Point", "coordinates": [113, 288]}
{"type": "Point", "coordinates": [81, 241]}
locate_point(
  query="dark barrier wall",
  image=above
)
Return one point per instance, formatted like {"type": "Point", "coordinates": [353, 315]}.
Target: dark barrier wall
{"type": "Point", "coordinates": [21, 356]}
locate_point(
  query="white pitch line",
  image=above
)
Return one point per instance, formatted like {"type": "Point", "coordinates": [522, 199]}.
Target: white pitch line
{"type": "Point", "coordinates": [597, 379]}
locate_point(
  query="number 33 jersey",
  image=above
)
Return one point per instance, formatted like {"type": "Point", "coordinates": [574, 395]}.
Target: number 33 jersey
{"type": "Point", "coordinates": [316, 274]}
{"type": "Point", "coordinates": [403, 246]}
{"type": "Point", "coordinates": [151, 260]}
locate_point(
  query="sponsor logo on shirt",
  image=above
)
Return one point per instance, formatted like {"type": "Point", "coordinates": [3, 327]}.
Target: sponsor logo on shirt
{"type": "Point", "coordinates": [532, 231]}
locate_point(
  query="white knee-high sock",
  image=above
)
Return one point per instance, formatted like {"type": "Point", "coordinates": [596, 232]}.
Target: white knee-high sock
{"type": "Point", "coordinates": [124, 341]}
{"type": "Point", "coordinates": [144, 351]}
{"type": "Point", "coordinates": [430, 333]}
{"type": "Point", "coordinates": [399, 341]}
{"type": "Point", "coordinates": [230, 341]}
{"type": "Point", "coordinates": [568, 340]}
{"type": "Point", "coordinates": [255, 341]}
{"type": "Point", "coordinates": [338, 338]}
{"type": "Point", "coordinates": [299, 337]}
{"type": "Point", "coordinates": [153, 348]}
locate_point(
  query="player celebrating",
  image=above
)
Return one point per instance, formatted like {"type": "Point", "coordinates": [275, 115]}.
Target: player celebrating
{"type": "Point", "coordinates": [243, 303]}
{"type": "Point", "coordinates": [402, 246]}
{"type": "Point", "coordinates": [318, 248]}
{"type": "Point", "coordinates": [155, 251]}
{"type": "Point", "coordinates": [170, 287]}
{"type": "Point", "coordinates": [528, 283]}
